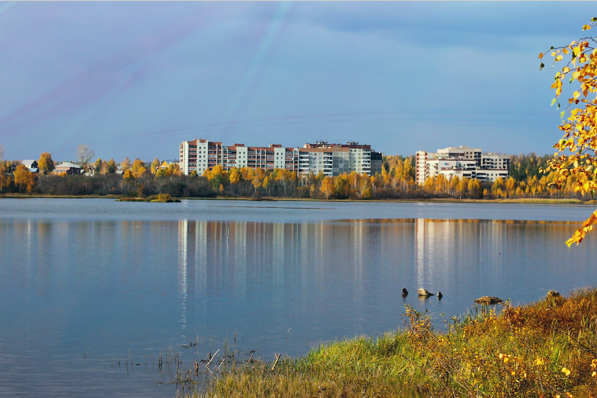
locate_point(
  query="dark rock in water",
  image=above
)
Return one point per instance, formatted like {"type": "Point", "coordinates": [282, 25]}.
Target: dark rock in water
{"type": "Point", "coordinates": [488, 300]}
{"type": "Point", "coordinates": [439, 295]}
{"type": "Point", "coordinates": [552, 294]}
{"type": "Point", "coordinates": [423, 292]}
{"type": "Point", "coordinates": [404, 292]}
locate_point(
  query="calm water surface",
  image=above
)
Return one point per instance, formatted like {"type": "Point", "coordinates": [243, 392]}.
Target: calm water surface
{"type": "Point", "coordinates": [87, 283]}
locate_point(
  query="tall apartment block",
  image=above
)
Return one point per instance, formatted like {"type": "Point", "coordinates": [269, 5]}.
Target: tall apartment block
{"type": "Point", "coordinates": [462, 162]}
{"type": "Point", "coordinates": [330, 159]}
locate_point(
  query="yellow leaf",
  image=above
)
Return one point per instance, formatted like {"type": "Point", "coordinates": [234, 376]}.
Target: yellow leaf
{"type": "Point", "coordinates": [540, 55]}
{"type": "Point", "coordinates": [566, 371]}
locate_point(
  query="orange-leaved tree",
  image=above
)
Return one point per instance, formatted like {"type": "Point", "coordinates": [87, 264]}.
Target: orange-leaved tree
{"type": "Point", "coordinates": [576, 159]}
{"type": "Point", "coordinates": [45, 163]}
{"type": "Point", "coordinates": [327, 186]}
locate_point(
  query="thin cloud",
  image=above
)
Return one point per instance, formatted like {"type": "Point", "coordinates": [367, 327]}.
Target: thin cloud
{"type": "Point", "coordinates": [100, 78]}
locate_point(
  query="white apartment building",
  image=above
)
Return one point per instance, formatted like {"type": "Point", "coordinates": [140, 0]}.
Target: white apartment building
{"type": "Point", "coordinates": [330, 159]}
{"type": "Point", "coordinates": [461, 162]}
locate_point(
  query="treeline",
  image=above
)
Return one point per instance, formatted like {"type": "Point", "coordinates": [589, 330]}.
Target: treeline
{"type": "Point", "coordinates": [396, 181]}
{"type": "Point", "coordinates": [523, 166]}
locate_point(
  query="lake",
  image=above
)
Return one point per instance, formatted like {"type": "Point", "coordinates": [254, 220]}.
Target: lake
{"type": "Point", "coordinates": [87, 285]}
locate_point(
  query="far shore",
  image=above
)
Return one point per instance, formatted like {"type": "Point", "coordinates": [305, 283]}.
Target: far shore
{"type": "Point", "coordinates": [530, 201]}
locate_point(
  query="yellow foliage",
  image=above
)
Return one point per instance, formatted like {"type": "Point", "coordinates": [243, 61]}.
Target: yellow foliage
{"type": "Point", "coordinates": [327, 186]}
{"type": "Point", "coordinates": [45, 162]}
{"type": "Point", "coordinates": [128, 175]}
{"type": "Point", "coordinates": [575, 159]}
{"type": "Point", "coordinates": [235, 176]}
{"type": "Point", "coordinates": [138, 168]}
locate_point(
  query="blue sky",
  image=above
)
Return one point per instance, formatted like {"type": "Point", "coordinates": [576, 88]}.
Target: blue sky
{"type": "Point", "coordinates": [135, 79]}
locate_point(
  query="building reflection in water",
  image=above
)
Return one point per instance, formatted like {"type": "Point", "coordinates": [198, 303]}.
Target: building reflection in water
{"type": "Point", "coordinates": [324, 279]}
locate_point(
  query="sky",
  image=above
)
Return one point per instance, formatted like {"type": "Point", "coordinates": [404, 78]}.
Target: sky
{"type": "Point", "coordinates": [137, 78]}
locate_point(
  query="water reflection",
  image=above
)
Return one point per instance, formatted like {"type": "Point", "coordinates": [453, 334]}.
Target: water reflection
{"type": "Point", "coordinates": [107, 287]}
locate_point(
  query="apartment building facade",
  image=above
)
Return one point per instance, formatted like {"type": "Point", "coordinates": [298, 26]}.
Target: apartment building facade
{"type": "Point", "coordinates": [463, 162]}
{"type": "Point", "coordinates": [330, 159]}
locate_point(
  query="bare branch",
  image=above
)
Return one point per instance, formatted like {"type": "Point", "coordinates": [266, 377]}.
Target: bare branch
{"type": "Point", "coordinates": [84, 154]}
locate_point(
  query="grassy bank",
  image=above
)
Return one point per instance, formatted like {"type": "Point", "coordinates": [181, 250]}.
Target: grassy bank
{"type": "Point", "coordinates": [161, 198]}
{"type": "Point", "coordinates": [548, 348]}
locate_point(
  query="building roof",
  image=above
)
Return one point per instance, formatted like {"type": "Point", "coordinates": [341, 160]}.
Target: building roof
{"type": "Point", "coordinates": [67, 165]}
{"type": "Point", "coordinates": [28, 163]}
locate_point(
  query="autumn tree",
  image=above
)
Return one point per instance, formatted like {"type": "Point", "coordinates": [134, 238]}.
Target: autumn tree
{"type": "Point", "coordinates": [162, 172]}
{"type": "Point", "coordinates": [154, 165]}
{"type": "Point", "coordinates": [235, 176]}
{"type": "Point", "coordinates": [84, 155]}
{"type": "Point", "coordinates": [97, 167]}
{"type": "Point", "coordinates": [283, 176]}
{"type": "Point", "coordinates": [327, 186]}
{"type": "Point", "coordinates": [341, 186]}
{"type": "Point", "coordinates": [3, 178]}
{"type": "Point", "coordinates": [266, 184]}
{"type": "Point", "coordinates": [353, 181]}
{"type": "Point", "coordinates": [364, 187]}
{"type": "Point", "coordinates": [217, 176]}
{"type": "Point", "coordinates": [173, 170]}
{"type": "Point", "coordinates": [462, 187]}
{"type": "Point", "coordinates": [474, 188]}
{"type": "Point", "coordinates": [125, 164]}
{"type": "Point", "coordinates": [24, 180]}
{"type": "Point", "coordinates": [128, 175]}
{"type": "Point", "coordinates": [256, 181]}
{"type": "Point", "coordinates": [112, 167]}
{"type": "Point", "coordinates": [138, 168]}
{"type": "Point", "coordinates": [576, 151]}
{"type": "Point", "coordinates": [45, 163]}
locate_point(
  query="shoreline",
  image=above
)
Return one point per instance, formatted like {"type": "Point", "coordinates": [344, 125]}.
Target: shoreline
{"type": "Point", "coordinates": [529, 201]}
{"type": "Point", "coordinates": [539, 349]}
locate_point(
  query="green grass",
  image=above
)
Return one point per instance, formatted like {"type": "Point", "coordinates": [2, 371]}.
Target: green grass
{"type": "Point", "coordinates": [547, 348]}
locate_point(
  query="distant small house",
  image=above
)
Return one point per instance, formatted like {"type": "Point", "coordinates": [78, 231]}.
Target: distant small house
{"type": "Point", "coordinates": [31, 165]}
{"type": "Point", "coordinates": [68, 168]}
{"type": "Point", "coordinates": [164, 165]}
